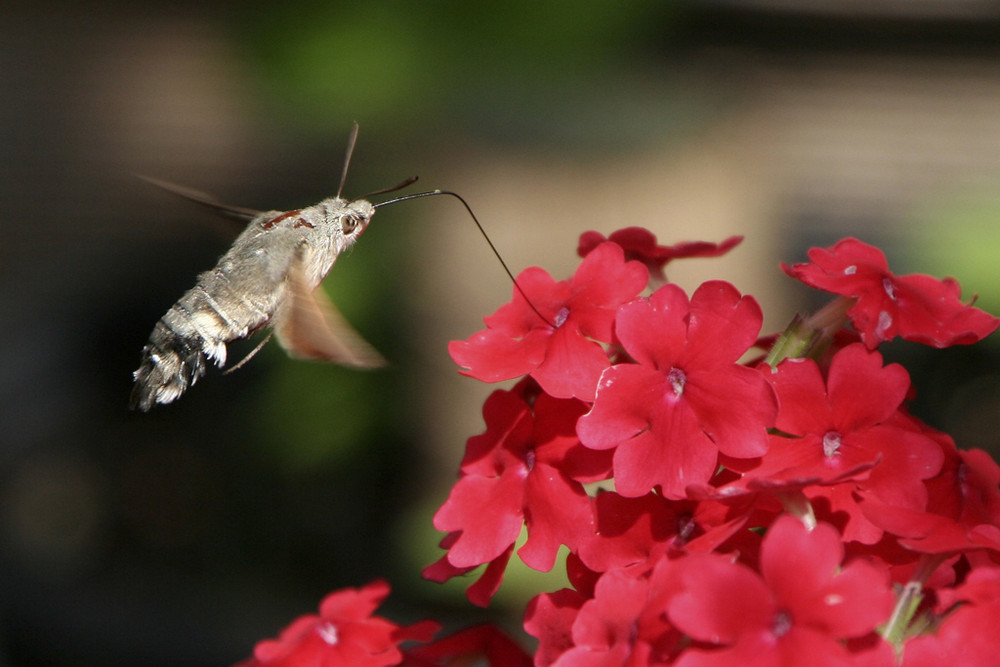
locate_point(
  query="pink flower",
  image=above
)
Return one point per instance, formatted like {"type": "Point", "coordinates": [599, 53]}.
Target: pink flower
{"type": "Point", "coordinates": [797, 611]}
{"type": "Point", "coordinates": [563, 353]}
{"type": "Point", "coordinates": [917, 307]}
{"type": "Point", "coordinates": [640, 244]}
{"type": "Point", "coordinates": [687, 398]}
{"type": "Point", "coordinates": [344, 633]}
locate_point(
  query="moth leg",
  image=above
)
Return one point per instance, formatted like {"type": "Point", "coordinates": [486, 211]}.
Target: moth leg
{"type": "Point", "coordinates": [250, 356]}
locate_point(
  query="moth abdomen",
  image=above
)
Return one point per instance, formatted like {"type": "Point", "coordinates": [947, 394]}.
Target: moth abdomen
{"type": "Point", "coordinates": [195, 329]}
{"type": "Point", "coordinates": [170, 364]}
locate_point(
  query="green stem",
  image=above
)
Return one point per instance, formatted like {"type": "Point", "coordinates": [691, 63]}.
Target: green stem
{"type": "Point", "coordinates": [910, 597]}
{"type": "Point", "coordinates": [797, 504]}
{"type": "Point", "coordinates": [809, 337]}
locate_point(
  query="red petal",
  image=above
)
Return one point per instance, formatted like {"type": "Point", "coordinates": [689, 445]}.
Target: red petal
{"type": "Point", "coordinates": [654, 331]}
{"type": "Point", "coordinates": [723, 325]}
{"type": "Point", "coordinates": [493, 356]}
{"type": "Point", "coordinates": [721, 600]}
{"type": "Point", "coordinates": [734, 406]}
{"type": "Point", "coordinates": [558, 512]}
{"type": "Point", "coordinates": [487, 511]}
{"type": "Point", "coordinates": [572, 365]}
{"type": "Point", "coordinates": [863, 392]}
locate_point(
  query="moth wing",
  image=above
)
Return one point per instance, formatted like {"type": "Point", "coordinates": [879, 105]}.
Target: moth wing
{"type": "Point", "coordinates": [309, 326]}
{"type": "Point", "coordinates": [226, 210]}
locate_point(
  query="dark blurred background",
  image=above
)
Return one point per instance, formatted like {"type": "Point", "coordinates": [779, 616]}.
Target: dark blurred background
{"type": "Point", "coordinates": [184, 535]}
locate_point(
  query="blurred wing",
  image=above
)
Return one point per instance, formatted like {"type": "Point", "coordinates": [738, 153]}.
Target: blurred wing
{"type": "Point", "coordinates": [309, 326]}
{"type": "Point", "coordinates": [226, 210]}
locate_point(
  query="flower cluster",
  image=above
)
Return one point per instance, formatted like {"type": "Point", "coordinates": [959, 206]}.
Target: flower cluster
{"type": "Point", "coordinates": [716, 511]}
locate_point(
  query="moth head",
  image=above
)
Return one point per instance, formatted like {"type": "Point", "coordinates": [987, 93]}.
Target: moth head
{"type": "Point", "coordinates": [354, 219]}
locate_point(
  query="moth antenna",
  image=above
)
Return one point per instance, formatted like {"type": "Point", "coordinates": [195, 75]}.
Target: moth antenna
{"type": "Point", "coordinates": [352, 139]}
{"type": "Point", "coordinates": [482, 231]}
{"type": "Point", "coordinates": [405, 184]}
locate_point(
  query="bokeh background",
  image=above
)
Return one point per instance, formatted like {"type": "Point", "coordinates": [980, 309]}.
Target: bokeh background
{"type": "Point", "coordinates": [184, 535]}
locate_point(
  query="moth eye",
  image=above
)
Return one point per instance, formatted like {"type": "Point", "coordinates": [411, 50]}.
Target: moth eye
{"type": "Point", "coordinates": [348, 225]}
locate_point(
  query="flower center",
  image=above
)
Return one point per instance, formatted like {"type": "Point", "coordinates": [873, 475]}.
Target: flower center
{"type": "Point", "coordinates": [685, 529]}
{"type": "Point", "coordinates": [884, 322]}
{"type": "Point", "coordinates": [782, 624]}
{"type": "Point", "coordinates": [328, 631]}
{"type": "Point", "coordinates": [889, 288]}
{"type": "Point", "coordinates": [676, 378]}
{"type": "Point", "coordinates": [561, 316]}
{"type": "Point", "coordinates": [529, 458]}
{"type": "Point", "coordinates": [831, 443]}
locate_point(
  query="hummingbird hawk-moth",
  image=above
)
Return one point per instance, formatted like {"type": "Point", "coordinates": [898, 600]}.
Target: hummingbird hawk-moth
{"type": "Point", "coordinates": [268, 278]}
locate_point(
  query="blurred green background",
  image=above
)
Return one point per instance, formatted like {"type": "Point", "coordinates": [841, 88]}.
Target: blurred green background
{"type": "Point", "coordinates": [184, 535]}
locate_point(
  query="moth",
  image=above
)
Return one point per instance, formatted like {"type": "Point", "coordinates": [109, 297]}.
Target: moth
{"type": "Point", "coordinates": [268, 278]}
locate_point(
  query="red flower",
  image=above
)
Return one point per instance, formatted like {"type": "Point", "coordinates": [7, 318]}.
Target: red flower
{"type": "Point", "coordinates": [637, 532]}
{"type": "Point", "coordinates": [517, 473]}
{"type": "Point", "coordinates": [844, 431]}
{"type": "Point", "coordinates": [917, 307]}
{"type": "Point", "coordinates": [624, 624]}
{"type": "Point", "coordinates": [968, 634]}
{"type": "Point", "coordinates": [640, 244]}
{"type": "Point", "coordinates": [687, 398]}
{"type": "Point", "coordinates": [561, 354]}
{"type": "Point", "coordinates": [965, 512]}
{"type": "Point", "coordinates": [796, 612]}
{"type": "Point", "coordinates": [549, 618]}
{"type": "Point", "coordinates": [970, 483]}
{"type": "Point", "coordinates": [344, 633]}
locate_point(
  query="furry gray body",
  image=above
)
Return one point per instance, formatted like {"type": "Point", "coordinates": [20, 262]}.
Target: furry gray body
{"type": "Point", "coordinates": [264, 279]}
